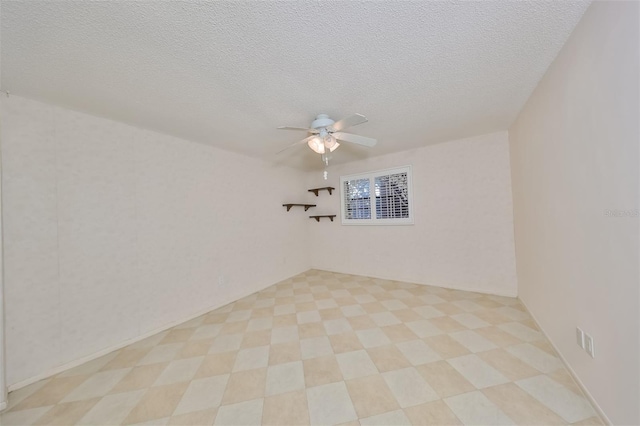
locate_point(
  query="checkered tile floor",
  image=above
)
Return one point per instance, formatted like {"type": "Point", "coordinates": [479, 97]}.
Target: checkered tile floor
{"type": "Point", "coordinates": [325, 348]}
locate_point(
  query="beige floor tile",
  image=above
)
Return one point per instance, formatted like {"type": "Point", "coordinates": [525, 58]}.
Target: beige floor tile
{"type": "Point", "coordinates": [112, 409]}
{"type": "Point", "coordinates": [23, 417]}
{"type": "Point", "coordinates": [356, 364]}
{"type": "Point", "coordinates": [284, 352]}
{"type": "Point", "coordinates": [67, 413]}
{"type": "Point", "coordinates": [571, 407]}
{"type": "Point", "coordinates": [388, 358]}
{"type": "Point", "coordinates": [321, 370]}
{"type": "Point", "coordinates": [161, 353]}
{"type": "Point", "coordinates": [250, 358]}
{"type": "Point", "coordinates": [391, 418]}
{"type": "Point", "coordinates": [474, 408]}
{"type": "Point", "coordinates": [202, 394]}
{"type": "Point", "coordinates": [178, 335]}
{"type": "Point", "coordinates": [409, 387]}
{"type": "Point", "coordinates": [213, 365]}
{"type": "Point", "coordinates": [563, 377]}
{"type": "Point", "coordinates": [520, 406]}
{"type": "Point", "coordinates": [371, 396]}
{"type": "Point", "coordinates": [158, 402]}
{"type": "Point", "coordinates": [234, 327]}
{"type": "Point", "coordinates": [287, 320]}
{"type": "Point", "coordinates": [195, 348]}
{"type": "Point", "coordinates": [51, 393]}
{"type": "Point", "coordinates": [198, 418]}
{"type": "Point", "coordinates": [139, 377]}
{"type": "Point", "coordinates": [362, 322]}
{"type": "Point", "coordinates": [245, 385]}
{"type": "Point", "coordinates": [309, 330]}
{"type": "Point", "coordinates": [373, 337]}
{"type": "Point", "coordinates": [537, 358]}
{"type": "Point", "coordinates": [97, 385]}
{"type": "Point", "coordinates": [286, 409]}
{"type": "Point", "coordinates": [254, 339]}
{"type": "Point", "coordinates": [242, 413]}
{"type": "Point", "coordinates": [447, 324]}
{"type": "Point", "coordinates": [446, 346]}
{"type": "Point", "coordinates": [126, 358]}
{"type": "Point", "coordinates": [331, 314]}
{"type": "Point", "coordinates": [432, 413]}
{"type": "Point", "coordinates": [444, 379]}
{"type": "Point", "coordinates": [418, 352]}
{"type": "Point", "coordinates": [399, 333]}
{"type": "Point", "coordinates": [345, 342]}
{"type": "Point", "coordinates": [492, 316]}
{"type": "Point", "coordinates": [497, 336]}
{"type": "Point", "coordinates": [591, 421]}
{"type": "Point", "coordinates": [507, 364]}
{"type": "Point", "coordinates": [181, 370]}
{"type": "Point", "coordinates": [19, 395]}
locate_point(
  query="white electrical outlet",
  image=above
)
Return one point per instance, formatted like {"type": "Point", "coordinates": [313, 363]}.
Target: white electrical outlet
{"type": "Point", "coordinates": [580, 337]}
{"type": "Point", "coordinates": [589, 345]}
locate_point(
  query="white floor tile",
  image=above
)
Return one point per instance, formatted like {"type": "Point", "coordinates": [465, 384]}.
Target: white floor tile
{"type": "Point", "coordinates": [537, 358]}
{"type": "Point", "coordinates": [248, 359]}
{"type": "Point", "coordinates": [474, 408]}
{"type": "Point", "coordinates": [372, 338]}
{"type": "Point", "coordinates": [315, 347]}
{"type": "Point", "coordinates": [356, 364]}
{"type": "Point", "coordinates": [562, 401]}
{"type": "Point", "coordinates": [409, 388]}
{"type": "Point", "coordinates": [418, 352]}
{"type": "Point", "coordinates": [283, 378]}
{"type": "Point", "coordinates": [473, 341]}
{"type": "Point", "coordinates": [97, 385]}
{"type": "Point", "coordinates": [392, 418]}
{"type": "Point", "coordinates": [330, 404]}
{"type": "Point", "coordinates": [241, 414]}
{"type": "Point", "coordinates": [478, 372]}
{"type": "Point", "coordinates": [202, 394]}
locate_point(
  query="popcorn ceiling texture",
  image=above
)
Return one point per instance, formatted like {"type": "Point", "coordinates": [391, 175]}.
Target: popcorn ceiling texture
{"type": "Point", "coordinates": [228, 73]}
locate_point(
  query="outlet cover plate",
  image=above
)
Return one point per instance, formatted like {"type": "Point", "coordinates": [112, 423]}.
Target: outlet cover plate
{"type": "Point", "coordinates": [589, 345]}
{"type": "Point", "coordinates": [580, 337]}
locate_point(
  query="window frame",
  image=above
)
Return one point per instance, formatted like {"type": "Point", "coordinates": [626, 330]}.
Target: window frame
{"type": "Point", "coordinates": [371, 176]}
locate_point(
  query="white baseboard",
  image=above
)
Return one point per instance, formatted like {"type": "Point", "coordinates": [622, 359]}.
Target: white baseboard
{"type": "Point", "coordinates": [442, 285]}
{"type": "Point", "coordinates": [575, 377]}
{"type": "Point", "coordinates": [62, 368]}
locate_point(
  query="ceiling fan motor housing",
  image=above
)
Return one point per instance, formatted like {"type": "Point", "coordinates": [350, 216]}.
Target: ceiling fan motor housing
{"type": "Point", "coordinates": [322, 120]}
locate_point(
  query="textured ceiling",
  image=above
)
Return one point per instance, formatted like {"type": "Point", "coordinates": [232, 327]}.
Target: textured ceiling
{"type": "Point", "coordinates": [228, 73]}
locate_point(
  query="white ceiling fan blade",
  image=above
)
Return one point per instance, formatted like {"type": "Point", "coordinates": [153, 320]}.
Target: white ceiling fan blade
{"type": "Point", "coordinates": [298, 128]}
{"type": "Point", "coordinates": [303, 141]}
{"type": "Point", "coordinates": [354, 120]}
{"type": "Point", "coordinates": [357, 139]}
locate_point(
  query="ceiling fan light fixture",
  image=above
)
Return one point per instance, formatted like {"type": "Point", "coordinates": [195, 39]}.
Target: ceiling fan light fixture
{"type": "Point", "coordinates": [334, 147]}
{"type": "Point", "coordinates": [317, 145]}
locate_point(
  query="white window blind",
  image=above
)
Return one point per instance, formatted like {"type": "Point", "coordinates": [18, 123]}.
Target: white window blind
{"type": "Point", "coordinates": [388, 204]}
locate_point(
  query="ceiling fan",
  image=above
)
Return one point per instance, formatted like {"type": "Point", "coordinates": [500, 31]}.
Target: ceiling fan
{"type": "Point", "coordinates": [325, 134]}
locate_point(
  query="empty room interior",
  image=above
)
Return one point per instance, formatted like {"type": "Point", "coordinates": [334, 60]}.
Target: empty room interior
{"type": "Point", "coordinates": [319, 212]}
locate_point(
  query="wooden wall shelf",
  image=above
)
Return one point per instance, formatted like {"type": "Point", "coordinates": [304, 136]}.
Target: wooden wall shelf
{"type": "Point", "coordinates": [317, 218]}
{"type": "Point", "coordinates": [325, 188]}
{"type": "Point", "coordinates": [306, 206]}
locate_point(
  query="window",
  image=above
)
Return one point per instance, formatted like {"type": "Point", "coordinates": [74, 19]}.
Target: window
{"type": "Point", "coordinates": [391, 192]}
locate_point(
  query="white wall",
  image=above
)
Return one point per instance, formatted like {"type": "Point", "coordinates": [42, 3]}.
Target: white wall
{"type": "Point", "coordinates": [574, 154]}
{"type": "Point", "coordinates": [3, 387]}
{"type": "Point", "coordinates": [463, 231]}
{"type": "Point", "coordinates": [113, 231]}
